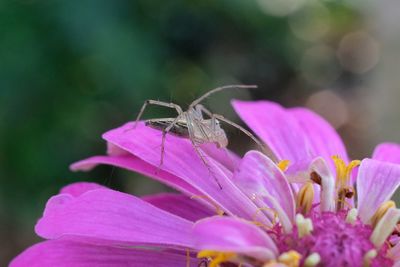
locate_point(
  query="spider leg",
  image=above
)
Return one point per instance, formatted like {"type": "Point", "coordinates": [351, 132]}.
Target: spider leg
{"type": "Point", "coordinates": [264, 149]}
{"type": "Point", "coordinates": [197, 149]}
{"type": "Point", "coordinates": [203, 129]}
{"type": "Point", "coordinates": [202, 109]}
{"type": "Point", "coordinates": [201, 98]}
{"type": "Point", "coordinates": [164, 136]}
{"type": "Point", "coordinates": [212, 129]}
{"type": "Point", "coordinates": [157, 103]}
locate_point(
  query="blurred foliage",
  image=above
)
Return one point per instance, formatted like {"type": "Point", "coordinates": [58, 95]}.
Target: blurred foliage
{"type": "Point", "coordinates": [70, 70]}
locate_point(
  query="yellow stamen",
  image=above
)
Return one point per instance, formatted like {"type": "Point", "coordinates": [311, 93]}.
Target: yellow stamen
{"type": "Point", "coordinates": [340, 166]}
{"type": "Point", "coordinates": [304, 226]}
{"type": "Point", "coordinates": [283, 164]}
{"type": "Point", "coordinates": [352, 165]}
{"type": "Point", "coordinates": [218, 209]}
{"type": "Point", "coordinates": [291, 258]}
{"type": "Point", "coordinates": [305, 198]}
{"type": "Point", "coordinates": [343, 173]}
{"type": "Point", "coordinates": [312, 260]}
{"type": "Point", "coordinates": [381, 211]}
{"type": "Point", "coordinates": [216, 257]}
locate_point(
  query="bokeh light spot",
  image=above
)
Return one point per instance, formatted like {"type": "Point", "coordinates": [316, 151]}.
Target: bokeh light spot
{"type": "Point", "coordinates": [330, 106]}
{"type": "Point", "coordinates": [358, 52]}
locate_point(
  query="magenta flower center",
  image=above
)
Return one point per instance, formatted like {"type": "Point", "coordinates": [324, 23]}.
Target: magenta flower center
{"type": "Point", "coordinates": [337, 242]}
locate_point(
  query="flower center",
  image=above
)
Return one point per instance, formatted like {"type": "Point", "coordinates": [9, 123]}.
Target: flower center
{"type": "Point", "coordinates": [337, 242]}
{"type": "Point", "coordinates": [327, 239]}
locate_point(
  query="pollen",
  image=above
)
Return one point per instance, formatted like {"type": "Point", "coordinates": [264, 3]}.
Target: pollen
{"type": "Point", "coordinates": [216, 257]}
{"type": "Point", "coordinates": [351, 217]}
{"type": "Point", "coordinates": [305, 198]}
{"type": "Point", "coordinates": [283, 165]}
{"type": "Point", "coordinates": [291, 258]}
{"type": "Point", "coordinates": [381, 211]}
{"type": "Point", "coordinates": [304, 226]}
{"type": "Point", "coordinates": [313, 260]}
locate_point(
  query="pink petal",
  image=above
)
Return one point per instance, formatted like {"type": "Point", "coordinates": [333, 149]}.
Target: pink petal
{"type": "Point", "coordinates": [295, 134]}
{"type": "Point", "coordinates": [376, 183]}
{"type": "Point", "coordinates": [394, 253]}
{"type": "Point", "coordinates": [77, 189]}
{"type": "Point", "coordinates": [112, 217]}
{"type": "Point", "coordinates": [317, 131]}
{"type": "Point", "coordinates": [276, 127]}
{"type": "Point", "coordinates": [388, 152]}
{"type": "Point", "coordinates": [227, 234]}
{"type": "Point", "coordinates": [134, 163]}
{"type": "Point", "coordinates": [64, 253]}
{"type": "Point", "coordinates": [222, 155]}
{"type": "Point", "coordinates": [113, 150]}
{"type": "Point", "coordinates": [182, 161]}
{"type": "Point", "coordinates": [259, 177]}
{"type": "Point", "coordinates": [180, 205]}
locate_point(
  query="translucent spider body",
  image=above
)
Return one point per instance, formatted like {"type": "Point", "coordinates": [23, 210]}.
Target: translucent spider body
{"type": "Point", "coordinates": [193, 125]}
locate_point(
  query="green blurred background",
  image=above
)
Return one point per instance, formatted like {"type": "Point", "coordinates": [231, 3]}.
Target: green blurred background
{"type": "Point", "coordinates": [70, 70]}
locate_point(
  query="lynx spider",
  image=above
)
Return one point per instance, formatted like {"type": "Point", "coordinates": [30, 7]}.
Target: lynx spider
{"type": "Point", "coordinates": [192, 124]}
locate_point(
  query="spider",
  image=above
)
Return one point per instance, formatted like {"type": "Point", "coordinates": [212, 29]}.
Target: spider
{"type": "Point", "coordinates": [193, 125]}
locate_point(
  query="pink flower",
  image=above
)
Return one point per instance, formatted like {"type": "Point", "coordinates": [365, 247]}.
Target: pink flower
{"type": "Point", "coordinates": [314, 212]}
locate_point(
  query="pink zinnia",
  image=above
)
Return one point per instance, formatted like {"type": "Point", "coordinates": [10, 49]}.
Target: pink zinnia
{"type": "Point", "coordinates": [313, 207]}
